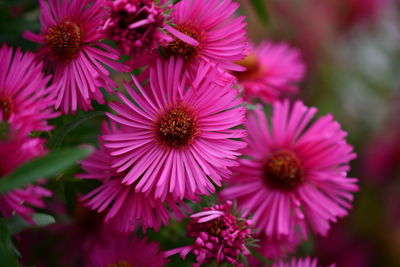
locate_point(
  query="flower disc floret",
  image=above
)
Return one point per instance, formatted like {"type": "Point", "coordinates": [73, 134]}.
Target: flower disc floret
{"type": "Point", "coordinates": [177, 127]}
{"type": "Point", "coordinates": [64, 40]}
{"type": "Point", "coordinates": [283, 171]}
{"type": "Point", "coordinates": [253, 68]}
{"type": "Point", "coordinates": [178, 47]}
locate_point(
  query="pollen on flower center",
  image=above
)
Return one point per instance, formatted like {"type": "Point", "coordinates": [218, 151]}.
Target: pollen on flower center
{"type": "Point", "coordinates": [177, 127]}
{"type": "Point", "coordinates": [6, 108]}
{"type": "Point", "coordinates": [283, 171]}
{"type": "Point", "coordinates": [64, 40]}
{"type": "Point", "coordinates": [217, 226]}
{"type": "Point", "coordinates": [181, 48]}
{"type": "Point", "coordinates": [120, 264]}
{"type": "Point", "coordinates": [253, 70]}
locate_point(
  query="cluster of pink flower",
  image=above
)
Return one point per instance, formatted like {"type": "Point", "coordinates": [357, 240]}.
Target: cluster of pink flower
{"type": "Point", "coordinates": [180, 130]}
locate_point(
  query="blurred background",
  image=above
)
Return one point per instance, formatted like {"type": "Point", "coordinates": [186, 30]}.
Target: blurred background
{"type": "Point", "coordinates": [352, 52]}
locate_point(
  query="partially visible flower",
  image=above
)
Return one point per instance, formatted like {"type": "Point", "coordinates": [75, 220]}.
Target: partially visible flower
{"type": "Point", "coordinates": [13, 153]}
{"type": "Point", "coordinates": [26, 103]}
{"type": "Point", "coordinates": [64, 243]}
{"type": "Point", "coordinates": [352, 12]}
{"type": "Point", "coordinates": [274, 248]}
{"type": "Point", "coordinates": [17, 10]}
{"type": "Point", "coordinates": [272, 70]}
{"type": "Point", "coordinates": [381, 156]}
{"type": "Point", "coordinates": [72, 47]}
{"type": "Point", "coordinates": [205, 31]}
{"type": "Point", "coordinates": [135, 25]}
{"type": "Point", "coordinates": [295, 173]}
{"type": "Point", "coordinates": [306, 262]}
{"type": "Point", "coordinates": [125, 208]}
{"type": "Point", "coordinates": [178, 135]}
{"type": "Point", "coordinates": [219, 235]}
{"type": "Point", "coordinates": [349, 249]}
{"type": "Point", "coordinates": [125, 251]}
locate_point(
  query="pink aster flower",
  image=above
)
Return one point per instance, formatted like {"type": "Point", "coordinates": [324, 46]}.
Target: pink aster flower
{"type": "Point", "coordinates": [381, 156]}
{"type": "Point", "coordinates": [178, 136]}
{"type": "Point", "coordinates": [125, 251]}
{"type": "Point", "coordinates": [206, 30]}
{"type": "Point", "coordinates": [125, 209]}
{"type": "Point", "coordinates": [20, 201]}
{"type": "Point", "coordinates": [306, 262]}
{"type": "Point", "coordinates": [295, 173]}
{"type": "Point", "coordinates": [351, 12]}
{"type": "Point", "coordinates": [273, 248]}
{"type": "Point", "coordinates": [71, 46]}
{"type": "Point", "coordinates": [25, 100]}
{"type": "Point", "coordinates": [219, 235]}
{"type": "Point", "coordinates": [272, 70]}
{"type": "Point", "coordinates": [135, 25]}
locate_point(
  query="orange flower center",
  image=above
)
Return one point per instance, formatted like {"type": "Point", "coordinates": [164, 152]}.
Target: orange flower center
{"type": "Point", "coordinates": [283, 171]}
{"type": "Point", "coordinates": [180, 48]}
{"type": "Point", "coordinates": [120, 264]}
{"type": "Point", "coordinates": [253, 70]}
{"type": "Point", "coordinates": [64, 40]}
{"type": "Point", "coordinates": [177, 127]}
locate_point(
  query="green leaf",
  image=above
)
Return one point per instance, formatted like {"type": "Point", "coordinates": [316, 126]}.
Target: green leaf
{"type": "Point", "coordinates": [56, 140]}
{"type": "Point", "coordinates": [8, 252]}
{"type": "Point", "coordinates": [261, 11]}
{"type": "Point", "coordinates": [16, 223]}
{"type": "Point", "coordinates": [44, 167]}
{"type": "Point", "coordinates": [252, 107]}
{"type": "Point", "coordinates": [42, 219]}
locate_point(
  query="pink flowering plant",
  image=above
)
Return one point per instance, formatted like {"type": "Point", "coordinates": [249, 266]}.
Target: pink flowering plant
{"type": "Point", "coordinates": [199, 133]}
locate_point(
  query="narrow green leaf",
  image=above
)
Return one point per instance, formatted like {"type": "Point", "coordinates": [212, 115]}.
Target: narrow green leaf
{"type": "Point", "coordinates": [261, 10]}
{"type": "Point", "coordinates": [56, 140]}
{"type": "Point", "coordinates": [42, 219]}
{"type": "Point", "coordinates": [252, 107]}
{"type": "Point", "coordinates": [44, 167]}
{"type": "Point", "coordinates": [16, 223]}
{"type": "Point", "coordinates": [8, 252]}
